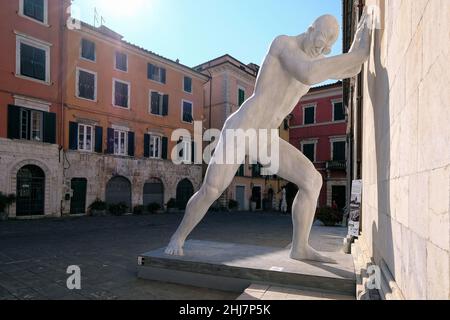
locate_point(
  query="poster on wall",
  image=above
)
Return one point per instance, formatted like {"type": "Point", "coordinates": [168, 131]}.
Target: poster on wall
{"type": "Point", "coordinates": [355, 209]}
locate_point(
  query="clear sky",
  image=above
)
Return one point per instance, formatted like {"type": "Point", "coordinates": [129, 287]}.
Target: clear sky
{"type": "Point", "coordinates": [196, 31]}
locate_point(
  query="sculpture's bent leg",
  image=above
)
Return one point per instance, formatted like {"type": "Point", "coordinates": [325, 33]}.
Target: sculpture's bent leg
{"type": "Point", "coordinates": [218, 178]}
{"type": "Point", "coordinates": [295, 167]}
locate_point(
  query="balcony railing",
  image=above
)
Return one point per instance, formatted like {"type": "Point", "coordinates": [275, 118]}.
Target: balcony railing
{"type": "Point", "coordinates": [340, 165]}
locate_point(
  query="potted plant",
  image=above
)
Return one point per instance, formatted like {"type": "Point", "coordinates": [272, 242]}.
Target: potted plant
{"type": "Point", "coordinates": [329, 216]}
{"type": "Point", "coordinates": [233, 204]}
{"type": "Point", "coordinates": [5, 202]}
{"type": "Point", "coordinates": [172, 205]}
{"type": "Point", "coordinates": [139, 210]}
{"type": "Point", "coordinates": [253, 203]}
{"type": "Point", "coordinates": [118, 209]}
{"type": "Point", "coordinates": [154, 207]}
{"type": "Point", "coordinates": [98, 208]}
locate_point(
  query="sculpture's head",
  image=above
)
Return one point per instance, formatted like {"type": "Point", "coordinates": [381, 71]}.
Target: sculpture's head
{"type": "Point", "coordinates": [321, 36]}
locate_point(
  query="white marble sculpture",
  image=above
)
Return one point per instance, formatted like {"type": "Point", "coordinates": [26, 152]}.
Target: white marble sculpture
{"type": "Point", "coordinates": [291, 67]}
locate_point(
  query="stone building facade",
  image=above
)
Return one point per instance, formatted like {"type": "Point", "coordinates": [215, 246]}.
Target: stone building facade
{"type": "Point", "coordinates": [31, 90]}
{"type": "Point", "coordinates": [86, 115]}
{"type": "Point", "coordinates": [401, 151]}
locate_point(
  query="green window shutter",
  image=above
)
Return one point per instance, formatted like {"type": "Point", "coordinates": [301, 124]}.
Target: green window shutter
{"type": "Point", "coordinates": [99, 139]}
{"type": "Point", "coordinates": [146, 146]}
{"type": "Point", "coordinates": [13, 122]}
{"type": "Point", "coordinates": [131, 144]}
{"type": "Point", "coordinates": [49, 127]}
{"type": "Point", "coordinates": [165, 146]}
{"type": "Point", "coordinates": [165, 105]}
{"type": "Point", "coordinates": [163, 75]}
{"type": "Point", "coordinates": [73, 136]}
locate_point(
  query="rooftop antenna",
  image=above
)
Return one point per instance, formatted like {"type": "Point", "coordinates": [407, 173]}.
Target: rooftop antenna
{"type": "Point", "coordinates": [95, 17]}
{"type": "Point", "coordinates": [102, 21]}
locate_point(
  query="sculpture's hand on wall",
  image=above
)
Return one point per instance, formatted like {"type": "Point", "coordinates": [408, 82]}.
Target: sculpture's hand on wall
{"type": "Point", "coordinates": [363, 36]}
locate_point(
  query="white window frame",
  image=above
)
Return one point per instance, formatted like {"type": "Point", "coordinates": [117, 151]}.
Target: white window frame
{"type": "Point", "coordinates": [125, 146]}
{"type": "Point", "coordinates": [23, 110]}
{"type": "Point", "coordinates": [310, 141]}
{"type": "Point", "coordinates": [338, 139]}
{"type": "Point", "coordinates": [22, 14]}
{"type": "Point", "coordinates": [245, 95]}
{"type": "Point", "coordinates": [182, 111]}
{"type": "Point", "coordinates": [192, 85]}
{"type": "Point", "coordinates": [85, 149]}
{"type": "Point", "coordinates": [114, 94]}
{"type": "Point", "coordinates": [81, 51]}
{"type": "Point", "coordinates": [77, 88]}
{"type": "Point", "coordinates": [304, 114]}
{"type": "Point", "coordinates": [161, 104]}
{"type": "Point", "coordinates": [41, 125]}
{"type": "Point", "coordinates": [187, 156]}
{"type": "Point", "coordinates": [30, 41]}
{"type": "Point", "coordinates": [152, 137]}
{"type": "Point", "coordinates": [333, 102]}
{"type": "Point", "coordinates": [115, 61]}
{"type": "Point", "coordinates": [159, 75]}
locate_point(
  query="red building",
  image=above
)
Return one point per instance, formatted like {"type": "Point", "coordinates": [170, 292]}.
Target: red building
{"type": "Point", "coordinates": [318, 129]}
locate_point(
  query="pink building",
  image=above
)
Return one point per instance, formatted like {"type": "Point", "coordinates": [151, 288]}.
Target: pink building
{"type": "Point", "coordinates": [318, 129]}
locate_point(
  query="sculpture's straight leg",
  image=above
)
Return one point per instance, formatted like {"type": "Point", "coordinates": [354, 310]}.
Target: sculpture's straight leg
{"type": "Point", "coordinates": [295, 167]}
{"type": "Point", "coordinates": [218, 177]}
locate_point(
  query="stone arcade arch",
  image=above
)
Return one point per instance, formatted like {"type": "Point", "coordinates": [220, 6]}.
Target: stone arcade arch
{"type": "Point", "coordinates": [185, 190]}
{"type": "Point", "coordinates": [153, 192]}
{"type": "Point", "coordinates": [30, 191]}
{"type": "Point", "coordinates": [118, 190]}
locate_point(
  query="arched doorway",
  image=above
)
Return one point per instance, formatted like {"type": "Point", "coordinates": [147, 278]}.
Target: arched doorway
{"type": "Point", "coordinates": [118, 190]}
{"type": "Point", "coordinates": [185, 190]}
{"type": "Point", "coordinates": [154, 192]}
{"type": "Point", "coordinates": [30, 191]}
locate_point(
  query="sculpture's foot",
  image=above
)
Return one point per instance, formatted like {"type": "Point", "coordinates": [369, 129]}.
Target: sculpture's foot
{"type": "Point", "coordinates": [308, 253]}
{"type": "Point", "coordinates": [175, 248]}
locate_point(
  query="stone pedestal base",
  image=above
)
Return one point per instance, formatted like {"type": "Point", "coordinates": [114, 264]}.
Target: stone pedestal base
{"type": "Point", "coordinates": [234, 267]}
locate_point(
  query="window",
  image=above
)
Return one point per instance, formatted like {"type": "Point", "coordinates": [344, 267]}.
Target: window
{"type": "Point", "coordinates": [256, 170]}
{"type": "Point", "coordinates": [36, 125]}
{"type": "Point", "coordinates": [31, 124]}
{"type": "Point", "coordinates": [339, 150]}
{"type": "Point", "coordinates": [121, 94]}
{"type": "Point", "coordinates": [120, 142]}
{"type": "Point", "coordinates": [34, 9]}
{"type": "Point", "coordinates": [88, 50]}
{"type": "Point", "coordinates": [241, 171]}
{"type": "Point", "coordinates": [155, 147]}
{"type": "Point", "coordinates": [159, 104]}
{"type": "Point", "coordinates": [33, 59]}
{"type": "Point", "coordinates": [309, 115]}
{"type": "Point", "coordinates": [309, 150]}
{"type": "Point", "coordinates": [156, 73]}
{"type": "Point", "coordinates": [184, 144]}
{"type": "Point", "coordinates": [187, 112]}
{"type": "Point", "coordinates": [187, 84]}
{"type": "Point", "coordinates": [338, 111]}
{"type": "Point", "coordinates": [241, 97]}
{"type": "Point", "coordinates": [85, 134]}
{"type": "Point", "coordinates": [86, 84]}
{"type": "Point", "coordinates": [121, 61]}
{"type": "Point", "coordinates": [24, 120]}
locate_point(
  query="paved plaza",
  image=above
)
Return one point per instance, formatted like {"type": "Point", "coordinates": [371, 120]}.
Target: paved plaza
{"type": "Point", "coordinates": [34, 255]}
